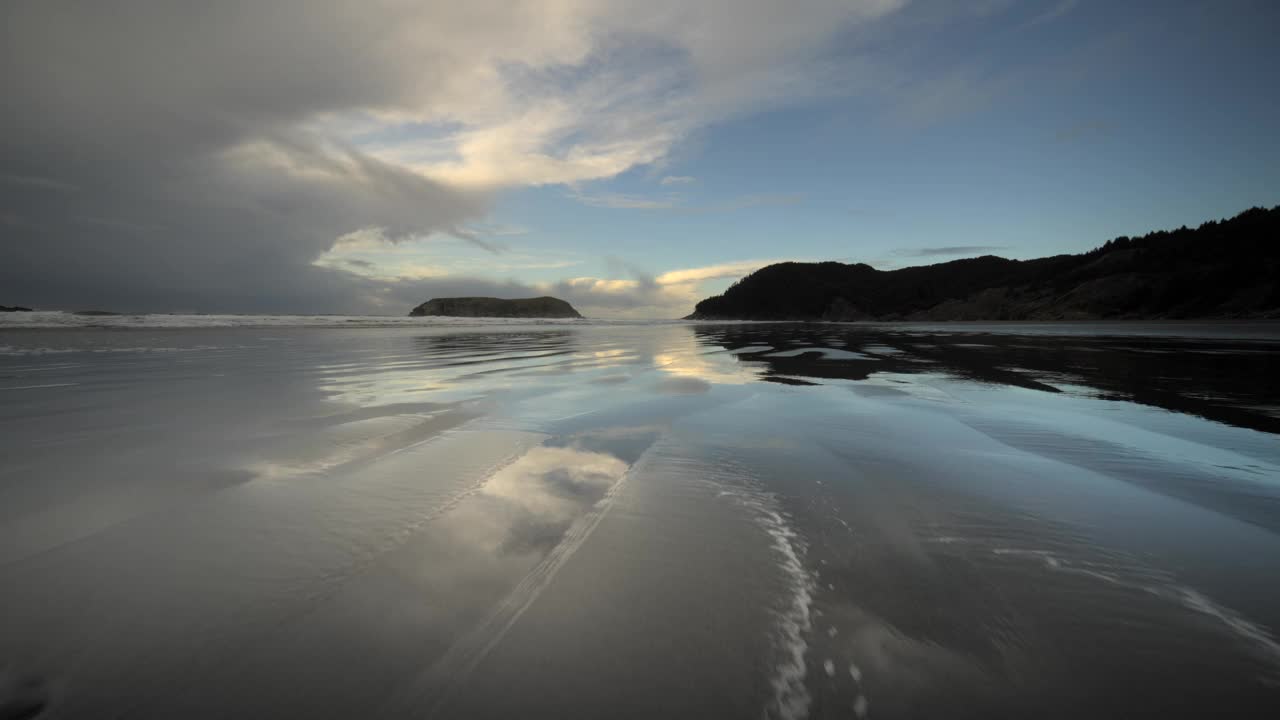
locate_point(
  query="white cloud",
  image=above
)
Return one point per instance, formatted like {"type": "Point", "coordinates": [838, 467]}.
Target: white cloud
{"type": "Point", "coordinates": [594, 87]}
{"type": "Point", "coordinates": [670, 294]}
{"type": "Point", "coordinates": [735, 269]}
{"type": "Point", "coordinates": [678, 180]}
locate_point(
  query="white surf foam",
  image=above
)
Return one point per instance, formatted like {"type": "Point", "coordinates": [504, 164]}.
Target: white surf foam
{"type": "Point", "coordinates": [1240, 625]}
{"type": "Point", "coordinates": [791, 697]}
{"type": "Point", "coordinates": [1254, 634]}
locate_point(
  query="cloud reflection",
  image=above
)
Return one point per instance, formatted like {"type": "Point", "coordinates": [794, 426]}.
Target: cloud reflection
{"type": "Point", "coordinates": [685, 357]}
{"type": "Point", "coordinates": [543, 492]}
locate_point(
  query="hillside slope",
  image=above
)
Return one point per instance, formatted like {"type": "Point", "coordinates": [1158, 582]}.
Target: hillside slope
{"type": "Point", "coordinates": [1222, 269]}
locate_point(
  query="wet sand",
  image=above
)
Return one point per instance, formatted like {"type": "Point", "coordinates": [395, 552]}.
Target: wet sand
{"type": "Point", "coordinates": [670, 520]}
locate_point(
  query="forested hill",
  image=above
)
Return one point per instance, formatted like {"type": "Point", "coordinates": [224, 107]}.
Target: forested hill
{"type": "Point", "coordinates": [1222, 269]}
{"type": "Point", "coordinates": [539, 307]}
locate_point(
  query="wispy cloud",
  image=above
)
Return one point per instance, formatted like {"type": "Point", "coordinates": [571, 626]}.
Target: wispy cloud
{"type": "Point", "coordinates": [921, 252]}
{"type": "Point", "coordinates": [502, 230]}
{"type": "Point", "coordinates": [676, 203]}
{"type": "Point", "coordinates": [1055, 11]}
{"type": "Point", "coordinates": [370, 253]}
{"type": "Point", "coordinates": [496, 229]}
{"type": "Point", "coordinates": [759, 200]}
{"type": "Point", "coordinates": [477, 239]}
{"type": "Point", "coordinates": [677, 180]}
{"type": "Point", "coordinates": [624, 201]}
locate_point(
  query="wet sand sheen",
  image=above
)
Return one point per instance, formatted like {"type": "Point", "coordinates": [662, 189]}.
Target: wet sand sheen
{"type": "Point", "coordinates": [639, 521]}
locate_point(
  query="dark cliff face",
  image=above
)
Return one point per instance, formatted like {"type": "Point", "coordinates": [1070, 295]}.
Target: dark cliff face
{"type": "Point", "coordinates": [1220, 270]}
{"type": "Point", "coordinates": [540, 307]}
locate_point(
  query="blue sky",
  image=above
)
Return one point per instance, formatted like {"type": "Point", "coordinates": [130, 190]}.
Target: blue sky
{"type": "Point", "coordinates": [634, 157]}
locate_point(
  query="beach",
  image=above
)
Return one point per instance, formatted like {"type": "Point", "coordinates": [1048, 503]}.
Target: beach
{"type": "Point", "coordinates": [345, 518]}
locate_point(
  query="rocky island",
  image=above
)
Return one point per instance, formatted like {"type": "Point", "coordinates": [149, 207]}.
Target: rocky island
{"type": "Point", "coordinates": [539, 307]}
{"type": "Point", "coordinates": [1222, 269]}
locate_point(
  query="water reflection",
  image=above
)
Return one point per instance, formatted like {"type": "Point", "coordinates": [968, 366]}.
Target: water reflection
{"type": "Point", "coordinates": [490, 556]}
{"type": "Point", "coordinates": [954, 504]}
{"type": "Point", "coordinates": [1224, 379]}
{"type": "Point", "coordinates": [476, 347]}
{"type": "Point", "coordinates": [442, 365]}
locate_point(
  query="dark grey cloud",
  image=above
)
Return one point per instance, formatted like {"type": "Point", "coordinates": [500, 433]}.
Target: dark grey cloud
{"type": "Point", "coordinates": [156, 155]}
{"type": "Point", "coordinates": [921, 252]}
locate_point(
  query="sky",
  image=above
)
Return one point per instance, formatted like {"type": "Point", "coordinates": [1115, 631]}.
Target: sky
{"type": "Point", "coordinates": [629, 156]}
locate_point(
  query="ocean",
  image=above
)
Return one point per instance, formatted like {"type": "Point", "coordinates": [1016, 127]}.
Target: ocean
{"type": "Point", "coordinates": [336, 517]}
